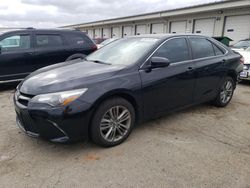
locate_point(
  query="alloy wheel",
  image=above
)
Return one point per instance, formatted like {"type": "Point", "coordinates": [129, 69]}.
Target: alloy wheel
{"type": "Point", "coordinates": [115, 123]}
{"type": "Point", "coordinates": [226, 92]}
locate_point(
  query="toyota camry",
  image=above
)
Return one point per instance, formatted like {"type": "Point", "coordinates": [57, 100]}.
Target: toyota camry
{"type": "Point", "coordinates": [126, 82]}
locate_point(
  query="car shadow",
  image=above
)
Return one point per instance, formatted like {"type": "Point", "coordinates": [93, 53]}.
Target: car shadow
{"type": "Point", "coordinates": [88, 145]}
{"type": "Point", "coordinates": [8, 86]}
{"type": "Point", "coordinates": [245, 82]}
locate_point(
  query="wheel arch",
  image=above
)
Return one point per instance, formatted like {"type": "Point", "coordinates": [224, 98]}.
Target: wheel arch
{"type": "Point", "coordinates": [233, 75]}
{"type": "Point", "coordinates": [125, 94]}
{"type": "Point", "coordinates": [76, 56]}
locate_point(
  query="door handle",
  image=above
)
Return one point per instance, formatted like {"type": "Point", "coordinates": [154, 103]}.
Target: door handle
{"type": "Point", "coordinates": [190, 69]}
{"type": "Point", "coordinates": [223, 61]}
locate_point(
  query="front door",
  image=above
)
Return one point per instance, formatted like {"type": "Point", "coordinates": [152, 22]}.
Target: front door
{"type": "Point", "coordinates": [16, 56]}
{"type": "Point", "coordinates": [171, 87]}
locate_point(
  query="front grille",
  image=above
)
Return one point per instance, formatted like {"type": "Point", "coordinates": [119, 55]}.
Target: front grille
{"type": "Point", "coordinates": [24, 98]}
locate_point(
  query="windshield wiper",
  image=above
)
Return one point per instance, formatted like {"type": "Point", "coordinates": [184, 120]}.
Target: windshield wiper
{"type": "Point", "coordinates": [100, 62]}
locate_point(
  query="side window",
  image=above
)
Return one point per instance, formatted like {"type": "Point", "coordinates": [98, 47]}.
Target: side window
{"type": "Point", "coordinates": [175, 50]}
{"type": "Point", "coordinates": [16, 42]}
{"type": "Point", "coordinates": [45, 41]}
{"type": "Point", "coordinates": [75, 40]}
{"type": "Point", "coordinates": [201, 47]}
{"type": "Point", "coordinates": [217, 50]}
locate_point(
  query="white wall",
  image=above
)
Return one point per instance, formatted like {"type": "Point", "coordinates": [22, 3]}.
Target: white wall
{"type": "Point", "coordinates": [219, 23]}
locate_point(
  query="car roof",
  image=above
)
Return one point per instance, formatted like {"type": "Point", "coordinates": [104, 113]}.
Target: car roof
{"type": "Point", "coordinates": [246, 39]}
{"type": "Point", "coordinates": [44, 30]}
{"type": "Point", "coordinates": [163, 36]}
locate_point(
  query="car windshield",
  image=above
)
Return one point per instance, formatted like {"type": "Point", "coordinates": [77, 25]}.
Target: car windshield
{"type": "Point", "coordinates": [242, 44]}
{"type": "Point", "coordinates": [124, 51]}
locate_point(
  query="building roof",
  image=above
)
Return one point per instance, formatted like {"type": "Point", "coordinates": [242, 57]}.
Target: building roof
{"type": "Point", "coordinates": [217, 5]}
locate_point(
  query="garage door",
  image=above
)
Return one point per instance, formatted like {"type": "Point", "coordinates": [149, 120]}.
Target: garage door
{"type": "Point", "coordinates": [98, 33]}
{"type": "Point", "coordinates": [140, 29]}
{"type": "Point", "coordinates": [204, 27]}
{"type": "Point", "coordinates": [115, 32]}
{"type": "Point", "coordinates": [237, 27]}
{"type": "Point", "coordinates": [106, 33]}
{"type": "Point", "coordinates": [127, 31]}
{"type": "Point", "coordinates": [178, 27]}
{"type": "Point", "coordinates": [157, 28]}
{"type": "Point", "coordinates": [90, 33]}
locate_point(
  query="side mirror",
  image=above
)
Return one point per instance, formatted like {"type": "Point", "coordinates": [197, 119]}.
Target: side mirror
{"type": "Point", "coordinates": [157, 62]}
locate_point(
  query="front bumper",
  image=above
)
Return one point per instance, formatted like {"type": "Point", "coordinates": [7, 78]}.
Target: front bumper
{"type": "Point", "coordinates": [62, 124]}
{"type": "Point", "coordinates": [245, 75]}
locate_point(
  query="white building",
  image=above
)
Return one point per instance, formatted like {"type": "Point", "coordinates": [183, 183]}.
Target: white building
{"type": "Point", "coordinates": [226, 18]}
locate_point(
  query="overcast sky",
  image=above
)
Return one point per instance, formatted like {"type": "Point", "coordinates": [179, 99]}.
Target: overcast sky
{"type": "Point", "coordinates": [54, 13]}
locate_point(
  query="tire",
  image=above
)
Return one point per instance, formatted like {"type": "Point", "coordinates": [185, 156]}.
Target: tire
{"type": "Point", "coordinates": [76, 56]}
{"type": "Point", "coordinates": [225, 93]}
{"type": "Point", "coordinates": [107, 131]}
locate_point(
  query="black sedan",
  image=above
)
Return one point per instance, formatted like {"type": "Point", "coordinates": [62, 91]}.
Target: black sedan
{"type": "Point", "coordinates": [124, 83]}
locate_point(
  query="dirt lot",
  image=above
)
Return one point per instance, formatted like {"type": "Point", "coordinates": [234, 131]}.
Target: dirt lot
{"type": "Point", "coordinates": [202, 146]}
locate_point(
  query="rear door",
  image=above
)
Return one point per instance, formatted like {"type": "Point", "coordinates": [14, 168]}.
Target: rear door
{"type": "Point", "coordinates": [49, 48]}
{"type": "Point", "coordinates": [209, 60]}
{"type": "Point", "coordinates": [16, 57]}
{"type": "Point", "coordinates": [171, 87]}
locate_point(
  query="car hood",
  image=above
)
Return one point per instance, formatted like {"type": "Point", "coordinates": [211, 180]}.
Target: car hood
{"type": "Point", "coordinates": [244, 53]}
{"type": "Point", "coordinates": [66, 76]}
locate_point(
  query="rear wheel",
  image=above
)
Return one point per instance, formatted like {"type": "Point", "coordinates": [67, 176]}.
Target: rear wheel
{"type": "Point", "coordinates": [112, 122]}
{"type": "Point", "coordinates": [225, 93]}
{"type": "Point", "coordinates": [76, 56]}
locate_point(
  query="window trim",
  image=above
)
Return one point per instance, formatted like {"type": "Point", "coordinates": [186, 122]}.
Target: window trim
{"type": "Point", "coordinates": [177, 37]}
{"type": "Point", "coordinates": [210, 57]}
{"type": "Point", "coordinates": [214, 47]}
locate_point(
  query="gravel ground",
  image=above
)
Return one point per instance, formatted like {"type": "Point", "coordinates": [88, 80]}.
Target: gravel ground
{"type": "Point", "coordinates": [202, 146]}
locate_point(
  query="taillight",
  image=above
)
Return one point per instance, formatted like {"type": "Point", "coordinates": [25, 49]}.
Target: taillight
{"type": "Point", "coordinates": [93, 47]}
{"type": "Point", "coordinates": [242, 60]}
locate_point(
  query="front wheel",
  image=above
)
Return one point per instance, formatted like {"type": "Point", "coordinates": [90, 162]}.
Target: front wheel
{"type": "Point", "coordinates": [225, 93]}
{"type": "Point", "coordinates": [112, 122]}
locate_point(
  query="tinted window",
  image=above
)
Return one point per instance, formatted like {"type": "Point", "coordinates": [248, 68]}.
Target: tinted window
{"type": "Point", "coordinates": [201, 48]}
{"type": "Point", "coordinates": [16, 42]}
{"type": "Point", "coordinates": [175, 50]}
{"type": "Point", "coordinates": [48, 41]}
{"type": "Point", "coordinates": [217, 50]}
{"type": "Point", "coordinates": [75, 40]}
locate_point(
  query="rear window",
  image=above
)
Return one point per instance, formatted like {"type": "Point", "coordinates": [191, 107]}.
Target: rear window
{"type": "Point", "coordinates": [45, 41]}
{"type": "Point", "coordinates": [217, 50]}
{"type": "Point", "coordinates": [201, 48]}
{"type": "Point", "coordinates": [76, 39]}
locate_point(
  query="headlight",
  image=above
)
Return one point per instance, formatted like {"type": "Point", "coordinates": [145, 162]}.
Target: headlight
{"type": "Point", "coordinates": [245, 67]}
{"type": "Point", "coordinates": [60, 98]}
